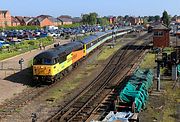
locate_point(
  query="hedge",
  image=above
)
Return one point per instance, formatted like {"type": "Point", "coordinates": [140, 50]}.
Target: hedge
{"type": "Point", "coordinates": [26, 45]}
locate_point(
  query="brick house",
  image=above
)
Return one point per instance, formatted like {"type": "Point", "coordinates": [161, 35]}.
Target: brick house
{"type": "Point", "coordinates": [135, 20]}
{"type": "Point", "coordinates": [14, 21]}
{"type": "Point", "coordinates": [178, 19]}
{"type": "Point", "coordinates": [112, 20]}
{"type": "Point", "coordinates": [161, 36]}
{"type": "Point", "coordinates": [21, 20]}
{"type": "Point", "coordinates": [45, 20]}
{"type": "Point", "coordinates": [5, 18]}
{"type": "Point", "coordinates": [24, 20]}
{"type": "Point", "coordinates": [66, 20]}
{"type": "Point", "coordinates": [56, 21]}
{"type": "Point", "coordinates": [42, 20]}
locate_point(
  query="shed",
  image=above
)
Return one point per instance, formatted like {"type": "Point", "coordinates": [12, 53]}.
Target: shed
{"type": "Point", "coordinates": [161, 36]}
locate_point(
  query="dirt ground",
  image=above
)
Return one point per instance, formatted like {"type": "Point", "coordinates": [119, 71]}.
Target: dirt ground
{"type": "Point", "coordinates": [14, 81]}
{"type": "Point", "coordinates": [163, 106]}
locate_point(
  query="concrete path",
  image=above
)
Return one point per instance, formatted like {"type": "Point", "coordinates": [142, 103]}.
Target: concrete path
{"type": "Point", "coordinates": [12, 80]}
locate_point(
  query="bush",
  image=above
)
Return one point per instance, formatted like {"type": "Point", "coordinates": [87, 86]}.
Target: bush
{"type": "Point", "coordinates": [24, 46]}
{"type": "Point", "coordinates": [70, 26]}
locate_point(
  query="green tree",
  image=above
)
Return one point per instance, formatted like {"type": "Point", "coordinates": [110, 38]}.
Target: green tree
{"type": "Point", "coordinates": [157, 18]}
{"type": "Point", "coordinates": [126, 17]}
{"type": "Point", "coordinates": [165, 18]}
{"type": "Point", "coordinates": [90, 18]}
{"type": "Point", "coordinates": [102, 21]}
{"type": "Point", "coordinates": [93, 18]}
{"type": "Point", "coordinates": [151, 18]}
{"type": "Point", "coordinates": [85, 18]}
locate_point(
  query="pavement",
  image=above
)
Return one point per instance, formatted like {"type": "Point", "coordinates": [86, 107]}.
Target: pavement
{"type": "Point", "coordinates": [12, 79]}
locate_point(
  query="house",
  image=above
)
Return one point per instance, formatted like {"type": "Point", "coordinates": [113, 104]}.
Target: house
{"type": "Point", "coordinates": [14, 21]}
{"type": "Point", "coordinates": [161, 36]}
{"type": "Point", "coordinates": [76, 20]}
{"type": "Point", "coordinates": [28, 19]}
{"type": "Point", "coordinates": [21, 20]}
{"type": "Point", "coordinates": [56, 21]}
{"type": "Point", "coordinates": [175, 19]}
{"type": "Point", "coordinates": [24, 20]}
{"type": "Point", "coordinates": [178, 19]}
{"type": "Point", "coordinates": [42, 21]}
{"type": "Point", "coordinates": [135, 20]}
{"type": "Point", "coordinates": [112, 20]}
{"type": "Point", "coordinates": [66, 20]}
{"type": "Point", "coordinates": [5, 18]}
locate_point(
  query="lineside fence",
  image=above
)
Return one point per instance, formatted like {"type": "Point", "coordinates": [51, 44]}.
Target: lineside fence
{"type": "Point", "coordinates": [8, 68]}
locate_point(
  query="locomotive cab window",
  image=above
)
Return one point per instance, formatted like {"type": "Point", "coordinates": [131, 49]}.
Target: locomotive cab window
{"type": "Point", "coordinates": [43, 61]}
{"type": "Point", "coordinates": [62, 59]}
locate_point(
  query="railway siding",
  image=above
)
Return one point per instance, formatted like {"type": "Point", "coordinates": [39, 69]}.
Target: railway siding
{"type": "Point", "coordinates": [81, 112]}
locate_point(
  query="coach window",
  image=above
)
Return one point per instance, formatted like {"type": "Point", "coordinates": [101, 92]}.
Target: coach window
{"type": "Point", "coordinates": [88, 45]}
{"type": "Point", "coordinates": [91, 43]}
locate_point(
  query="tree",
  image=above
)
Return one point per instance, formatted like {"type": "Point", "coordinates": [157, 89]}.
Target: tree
{"type": "Point", "coordinates": [157, 18]}
{"type": "Point", "coordinates": [165, 18]}
{"type": "Point", "coordinates": [150, 19]}
{"type": "Point", "coordinates": [102, 21]}
{"type": "Point", "coordinates": [90, 18]}
{"type": "Point", "coordinates": [85, 19]}
{"type": "Point", "coordinates": [126, 17]}
{"type": "Point", "coordinates": [93, 18]}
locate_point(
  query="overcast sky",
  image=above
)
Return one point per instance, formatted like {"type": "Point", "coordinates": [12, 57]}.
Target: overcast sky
{"type": "Point", "coordinates": [102, 7]}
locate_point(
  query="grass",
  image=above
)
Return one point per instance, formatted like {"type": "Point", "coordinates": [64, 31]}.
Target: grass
{"type": "Point", "coordinates": [161, 108]}
{"type": "Point", "coordinates": [171, 96]}
{"type": "Point", "coordinates": [168, 50]}
{"type": "Point", "coordinates": [61, 91]}
{"type": "Point", "coordinates": [107, 52]}
{"type": "Point", "coordinates": [148, 61]}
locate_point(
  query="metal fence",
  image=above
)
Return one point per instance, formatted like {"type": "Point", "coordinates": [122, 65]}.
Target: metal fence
{"type": "Point", "coordinates": [8, 68]}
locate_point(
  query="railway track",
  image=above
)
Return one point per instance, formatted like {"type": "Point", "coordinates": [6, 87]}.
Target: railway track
{"type": "Point", "coordinates": [83, 105]}
{"type": "Point", "coordinates": [24, 98]}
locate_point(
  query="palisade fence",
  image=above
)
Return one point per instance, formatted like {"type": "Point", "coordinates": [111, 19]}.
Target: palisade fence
{"type": "Point", "coordinates": [8, 68]}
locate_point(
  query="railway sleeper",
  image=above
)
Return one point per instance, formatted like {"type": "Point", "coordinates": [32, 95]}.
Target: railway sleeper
{"type": "Point", "coordinates": [78, 104]}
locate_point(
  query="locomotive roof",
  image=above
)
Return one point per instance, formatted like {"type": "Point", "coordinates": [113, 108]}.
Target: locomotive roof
{"type": "Point", "coordinates": [69, 47]}
{"type": "Point", "coordinates": [60, 50]}
{"type": "Point", "coordinates": [92, 37]}
{"type": "Point", "coordinates": [46, 54]}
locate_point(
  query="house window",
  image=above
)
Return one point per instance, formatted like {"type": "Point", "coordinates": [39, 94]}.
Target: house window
{"type": "Point", "coordinates": [5, 23]}
{"type": "Point", "coordinates": [4, 15]}
{"type": "Point", "coordinates": [158, 33]}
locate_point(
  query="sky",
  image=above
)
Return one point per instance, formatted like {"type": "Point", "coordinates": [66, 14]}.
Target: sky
{"type": "Point", "coordinates": [102, 7]}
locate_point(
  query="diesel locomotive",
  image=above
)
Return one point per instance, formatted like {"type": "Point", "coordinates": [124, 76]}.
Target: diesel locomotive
{"type": "Point", "coordinates": [52, 64]}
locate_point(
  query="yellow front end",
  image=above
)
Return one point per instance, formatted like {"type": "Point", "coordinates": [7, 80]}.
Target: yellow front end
{"type": "Point", "coordinates": [43, 70]}
{"type": "Point", "coordinates": [52, 70]}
